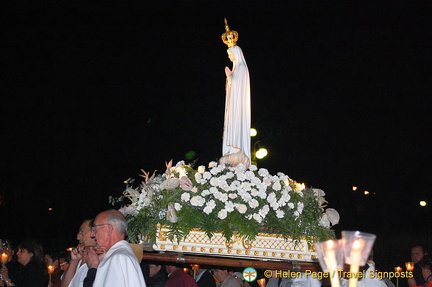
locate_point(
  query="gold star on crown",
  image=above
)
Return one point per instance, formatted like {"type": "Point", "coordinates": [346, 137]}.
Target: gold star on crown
{"type": "Point", "coordinates": [229, 37]}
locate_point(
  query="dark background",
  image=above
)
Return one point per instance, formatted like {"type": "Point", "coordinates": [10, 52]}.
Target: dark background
{"type": "Point", "coordinates": [94, 91]}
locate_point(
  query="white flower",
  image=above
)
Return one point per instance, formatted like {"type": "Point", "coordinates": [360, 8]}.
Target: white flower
{"type": "Point", "coordinates": [194, 189]}
{"type": "Point", "coordinates": [257, 217]}
{"type": "Point", "coordinates": [197, 200]}
{"type": "Point", "coordinates": [198, 176]}
{"type": "Point", "coordinates": [232, 195]}
{"type": "Point", "coordinates": [201, 169]}
{"type": "Point", "coordinates": [177, 206]}
{"type": "Point", "coordinates": [205, 192]}
{"type": "Point", "coordinates": [263, 172]}
{"type": "Point", "coordinates": [170, 183]}
{"type": "Point", "coordinates": [128, 210]}
{"type": "Point", "coordinates": [222, 214]}
{"type": "Point", "coordinates": [242, 208]}
{"type": "Point", "coordinates": [246, 186]}
{"type": "Point", "coordinates": [181, 171]}
{"type": "Point", "coordinates": [249, 174]}
{"type": "Point", "coordinates": [214, 181]}
{"type": "Point", "coordinates": [253, 167]}
{"type": "Point", "coordinates": [212, 164]}
{"type": "Point", "coordinates": [290, 205]}
{"type": "Point", "coordinates": [324, 221]}
{"type": "Point", "coordinates": [180, 163]}
{"type": "Point", "coordinates": [300, 206]}
{"type": "Point", "coordinates": [263, 211]}
{"type": "Point", "coordinates": [280, 213]}
{"type": "Point", "coordinates": [253, 203]}
{"type": "Point", "coordinates": [185, 196]}
{"type": "Point", "coordinates": [211, 203]}
{"type": "Point", "coordinates": [229, 206]}
{"type": "Point", "coordinates": [277, 186]}
{"type": "Point", "coordinates": [207, 175]}
{"type": "Point", "coordinates": [332, 215]}
{"type": "Point", "coordinates": [207, 210]}
{"type": "Point", "coordinates": [229, 175]}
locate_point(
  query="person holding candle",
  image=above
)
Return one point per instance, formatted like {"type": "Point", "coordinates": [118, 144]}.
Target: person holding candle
{"type": "Point", "coordinates": [29, 255]}
{"type": "Point", "coordinates": [52, 258]}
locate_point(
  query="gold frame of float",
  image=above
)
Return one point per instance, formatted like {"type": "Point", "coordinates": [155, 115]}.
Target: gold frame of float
{"type": "Point", "coordinates": [265, 246]}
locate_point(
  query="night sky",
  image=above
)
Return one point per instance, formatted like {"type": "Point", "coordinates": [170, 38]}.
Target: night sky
{"type": "Point", "coordinates": [94, 92]}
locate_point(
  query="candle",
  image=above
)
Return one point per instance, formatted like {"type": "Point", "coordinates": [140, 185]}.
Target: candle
{"type": "Point", "coordinates": [398, 269]}
{"type": "Point", "coordinates": [409, 266]}
{"type": "Point", "coordinates": [355, 257]}
{"type": "Point", "coordinates": [4, 258]}
{"type": "Point", "coordinates": [331, 262]}
{"type": "Point", "coordinates": [50, 269]}
{"type": "Point", "coordinates": [261, 282]}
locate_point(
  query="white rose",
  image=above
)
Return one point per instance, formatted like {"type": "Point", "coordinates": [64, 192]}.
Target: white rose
{"type": "Point", "coordinates": [253, 203]}
{"type": "Point", "coordinates": [207, 209]}
{"type": "Point", "coordinates": [242, 208]}
{"type": "Point", "coordinates": [222, 214]}
{"type": "Point", "coordinates": [211, 204]}
{"type": "Point", "coordinates": [201, 169]}
{"type": "Point", "coordinates": [185, 196]}
{"type": "Point", "coordinates": [257, 217]}
{"type": "Point", "coordinates": [229, 206]}
{"type": "Point", "coordinates": [197, 200]}
{"type": "Point", "coordinates": [277, 186]}
{"type": "Point", "coordinates": [207, 175]}
{"type": "Point", "coordinates": [177, 206]}
{"type": "Point", "coordinates": [280, 213]}
{"type": "Point", "coordinates": [290, 205]}
{"type": "Point", "coordinates": [212, 164]}
{"type": "Point", "coordinates": [198, 176]}
{"type": "Point", "coordinates": [253, 167]}
{"type": "Point", "coordinates": [194, 189]}
{"type": "Point", "coordinates": [263, 172]}
{"type": "Point", "coordinates": [300, 207]}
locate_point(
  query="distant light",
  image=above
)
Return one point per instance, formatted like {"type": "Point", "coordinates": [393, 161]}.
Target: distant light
{"type": "Point", "coordinates": [423, 203]}
{"type": "Point", "coordinates": [366, 192]}
{"type": "Point", "coordinates": [70, 248]}
{"type": "Point", "coordinates": [50, 208]}
{"type": "Point", "coordinates": [261, 153]}
{"type": "Point", "coordinates": [354, 188]}
{"type": "Point", "coordinates": [253, 132]}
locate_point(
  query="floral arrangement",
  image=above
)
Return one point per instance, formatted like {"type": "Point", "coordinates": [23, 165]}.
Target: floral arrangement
{"type": "Point", "coordinates": [224, 199]}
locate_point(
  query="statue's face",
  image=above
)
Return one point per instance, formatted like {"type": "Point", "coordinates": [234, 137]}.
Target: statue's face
{"type": "Point", "coordinates": [231, 56]}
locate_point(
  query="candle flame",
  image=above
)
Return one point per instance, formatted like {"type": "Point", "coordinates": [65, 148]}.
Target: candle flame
{"type": "Point", "coordinates": [330, 244]}
{"type": "Point", "coordinates": [356, 245]}
{"type": "Point", "coordinates": [50, 268]}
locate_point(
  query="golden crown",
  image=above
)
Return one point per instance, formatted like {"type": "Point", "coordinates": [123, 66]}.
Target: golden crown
{"type": "Point", "coordinates": [229, 37]}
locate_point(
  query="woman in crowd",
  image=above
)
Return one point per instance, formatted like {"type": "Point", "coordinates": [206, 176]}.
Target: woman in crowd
{"type": "Point", "coordinates": [33, 273]}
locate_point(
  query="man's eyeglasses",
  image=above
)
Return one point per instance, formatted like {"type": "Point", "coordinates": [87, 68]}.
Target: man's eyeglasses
{"type": "Point", "coordinates": [93, 228]}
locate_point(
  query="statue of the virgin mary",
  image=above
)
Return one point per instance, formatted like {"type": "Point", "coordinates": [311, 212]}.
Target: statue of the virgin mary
{"type": "Point", "coordinates": [236, 143]}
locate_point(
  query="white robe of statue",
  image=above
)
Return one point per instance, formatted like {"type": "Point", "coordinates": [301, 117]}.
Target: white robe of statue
{"type": "Point", "coordinates": [119, 267]}
{"type": "Point", "coordinates": [237, 123]}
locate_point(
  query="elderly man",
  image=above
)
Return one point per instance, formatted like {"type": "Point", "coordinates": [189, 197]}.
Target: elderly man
{"type": "Point", "coordinates": [112, 262]}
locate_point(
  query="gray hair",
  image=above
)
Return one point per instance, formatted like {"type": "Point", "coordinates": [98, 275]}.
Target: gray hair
{"type": "Point", "coordinates": [117, 219]}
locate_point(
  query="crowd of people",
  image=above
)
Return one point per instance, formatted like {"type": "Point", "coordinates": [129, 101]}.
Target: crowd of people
{"type": "Point", "coordinates": [104, 258]}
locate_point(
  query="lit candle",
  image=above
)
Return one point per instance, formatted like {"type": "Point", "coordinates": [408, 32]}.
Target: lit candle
{"type": "Point", "coordinates": [331, 262]}
{"type": "Point", "coordinates": [409, 266]}
{"type": "Point", "coordinates": [4, 258]}
{"type": "Point", "coordinates": [50, 271]}
{"type": "Point", "coordinates": [261, 282]}
{"type": "Point", "coordinates": [355, 257]}
{"type": "Point", "coordinates": [398, 269]}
